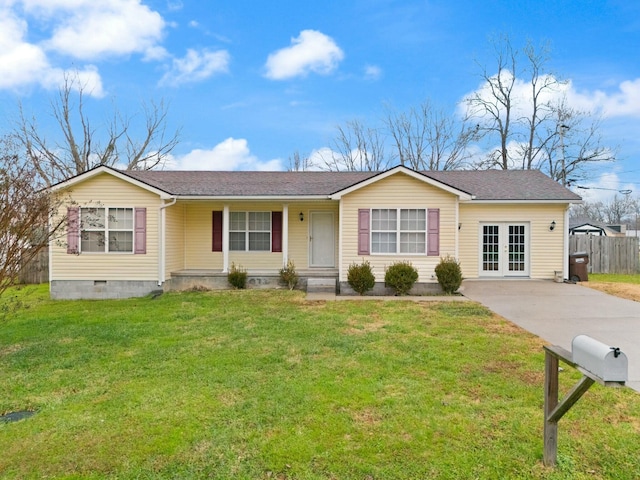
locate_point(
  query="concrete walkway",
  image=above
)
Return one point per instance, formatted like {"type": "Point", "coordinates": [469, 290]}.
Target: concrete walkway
{"type": "Point", "coordinates": [557, 312]}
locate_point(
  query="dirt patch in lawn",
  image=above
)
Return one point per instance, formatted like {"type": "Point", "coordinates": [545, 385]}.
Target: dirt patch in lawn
{"type": "Point", "coordinates": [630, 291]}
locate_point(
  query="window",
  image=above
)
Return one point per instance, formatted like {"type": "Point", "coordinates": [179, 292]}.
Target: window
{"type": "Point", "coordinates": [250, 231]}
{"type": "Point", "coordinates": [106, 230]}
{"type": "Point", "coordinates": [398, 230]}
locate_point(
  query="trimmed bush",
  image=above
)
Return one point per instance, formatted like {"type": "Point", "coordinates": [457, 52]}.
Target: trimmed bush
{"type": "Point", "coordinates": [288, 275]}
{"type": "Point", "coordinates": [449, 274]}
{"type": "Point", "coordinates": [237, 277]}
{"type": "Point", "coordinates": [401, 276]}
{"type": "Point", "coordinates": [360, 277]}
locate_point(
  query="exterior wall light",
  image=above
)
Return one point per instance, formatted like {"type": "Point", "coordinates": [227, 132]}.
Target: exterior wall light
{"type": "Point", "coordinates": [301, 216]}
{"type": "Point", "coordinates": [552, 227]}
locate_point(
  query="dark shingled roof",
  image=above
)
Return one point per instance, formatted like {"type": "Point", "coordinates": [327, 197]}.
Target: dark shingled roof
{"type": "Point", "coordinates": [484, 185]}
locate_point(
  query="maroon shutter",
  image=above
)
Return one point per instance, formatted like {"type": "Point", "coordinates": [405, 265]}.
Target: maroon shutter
{"type": "Point", "coordinates": [217, 231]}
{"type": "Point", "coordinates": [433, 231]}
{"type": "Point", "coordinates": [140, 246]}
{"type": "Point", "coordinates": [363, 231]}
{"type": "Point", "coordinates": [73, 230]}
{"type": "Point", "coordinates": [276, 231]}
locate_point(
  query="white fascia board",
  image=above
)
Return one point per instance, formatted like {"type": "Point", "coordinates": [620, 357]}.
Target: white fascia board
{"type": "Point", "coordinates": [236, 198]}
{"type": "Point", "coordinates": [521, 202]}
{"type": "Point", "coordinates": [104, 169]}
{"type": "Point", "coordinates": [407, 171]}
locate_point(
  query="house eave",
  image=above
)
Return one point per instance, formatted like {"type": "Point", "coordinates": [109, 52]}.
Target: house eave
{"type": "Point", "coordinates": [253, 198]}
{"type": "Point", "coordinates": [521, 202]}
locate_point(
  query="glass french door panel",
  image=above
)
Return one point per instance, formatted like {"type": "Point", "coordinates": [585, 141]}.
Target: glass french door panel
{"type": "Point", "coordinates": [490, 248]}
{"type": "Point", "coordinates": [517, 249]}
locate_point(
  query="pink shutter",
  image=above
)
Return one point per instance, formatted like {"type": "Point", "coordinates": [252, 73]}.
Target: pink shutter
{"type": "Point", "coordinates": [363, 231]}
{"type": "Point", "coordinates": [73, 230]}
{"type": "Point", "coordinates": [276, 231]}
{"type": "Point", "coordinates": [216, 231]}
{"type": "Point", "coordinates": [140, 246]}
{"type": "Point", "coordinates": [433, 231]}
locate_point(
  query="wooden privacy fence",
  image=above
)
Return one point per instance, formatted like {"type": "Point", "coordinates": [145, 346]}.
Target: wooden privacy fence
{"type": "Point", "coordinates": [607, 254]}
{"type": "Point", "coordinates": [37, 270]}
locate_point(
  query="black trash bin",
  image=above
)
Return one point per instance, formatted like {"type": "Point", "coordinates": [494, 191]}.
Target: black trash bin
{"type": "Point", "coordinates": [578, 266]}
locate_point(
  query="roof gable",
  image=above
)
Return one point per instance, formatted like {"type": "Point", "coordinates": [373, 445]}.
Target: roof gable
{"type": "Point", "coordinates": [402, 170]}
{"type": "Point", "coordinates": [102, 170]}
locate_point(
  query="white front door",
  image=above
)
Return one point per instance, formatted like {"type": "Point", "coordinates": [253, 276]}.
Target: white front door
{"type": "Point", "coordinates": [504, 249]}
{"type": "Point", "coordinates": [321, 240]}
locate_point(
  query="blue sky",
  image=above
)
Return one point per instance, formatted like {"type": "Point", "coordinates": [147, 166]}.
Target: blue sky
{"type": "Point", "coordinates": [251, 82]}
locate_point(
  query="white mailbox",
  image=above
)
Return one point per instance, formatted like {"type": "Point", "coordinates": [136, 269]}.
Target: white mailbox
{"type": "Point", "coordinates": [607, 363]}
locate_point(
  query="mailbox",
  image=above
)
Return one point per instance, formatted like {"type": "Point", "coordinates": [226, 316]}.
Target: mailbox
{"type": "Point", "coordinates": [607, 363]}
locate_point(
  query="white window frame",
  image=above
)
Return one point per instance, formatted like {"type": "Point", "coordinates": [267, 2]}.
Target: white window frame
{"type": "Point", "coordinates": [107, 229]}
{"type": "Point", "coordinates": [247, 231]}
{"type": "Point", "coordinates": [398, 232]}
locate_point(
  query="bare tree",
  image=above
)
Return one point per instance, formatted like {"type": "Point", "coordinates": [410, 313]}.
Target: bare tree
{"type": "Point", "coordinates": [29, 217]}
{"type": "Point", "coordinates": [83, 145]}
{"type": "Point", "coordinates": [299, 163]}
{"type": "Point", "coordinates": [522, 108]}
{"type": "Point", "coordinates": [356, 148]}
{"type": "Point", "coordinates": [573, 144]}
{"type": "Point", "coordinates": [427, 138]}
{"type": "Point", "coordinates": [542, 88]}
{"type": "Point", "coordinates": [619, 209]}
{"type": "Point", "coordinates": [493, 105]}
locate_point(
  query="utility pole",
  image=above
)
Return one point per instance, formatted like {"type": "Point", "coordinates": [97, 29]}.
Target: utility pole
{"type": "Point", "coordinates": [562, 128]}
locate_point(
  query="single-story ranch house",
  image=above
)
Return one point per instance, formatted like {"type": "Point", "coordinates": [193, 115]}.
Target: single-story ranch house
{"type": "Point", "coordinates": [130, 233]}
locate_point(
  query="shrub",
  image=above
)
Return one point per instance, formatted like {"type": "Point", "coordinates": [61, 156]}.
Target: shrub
{"type": "Point", "coordinates": [237, 276]}
{"type": "Point", "coordinates": [449, 274]}
{"type": "Point", "coordinates": [401, 276]}
{"type": "Point", "coordinates": [360, 277]}
{"type": "Point", "coordinates": [288, 275]}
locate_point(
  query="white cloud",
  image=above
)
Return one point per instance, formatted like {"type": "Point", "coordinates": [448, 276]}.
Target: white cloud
{"type": "Point", "coordinates": [312, 51]}
{"type": "Point", "coordinates": [604, 188]}
{"type": "Point", "coordinates": [23, 64]}
{"type": "Point", "coordinates": [231, 154]}
{"type": "Point", "coordinates": [196, 66]}
{"type": "Point", "coordinates": [87, 29]}
{"type": "Point", "coordinates": [372, 72]}
{"type": "Point", "coordinates": [622, 102]}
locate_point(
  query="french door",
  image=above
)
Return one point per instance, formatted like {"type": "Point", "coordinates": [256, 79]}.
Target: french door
{"type": "Point", "coordinates": [504, 249]}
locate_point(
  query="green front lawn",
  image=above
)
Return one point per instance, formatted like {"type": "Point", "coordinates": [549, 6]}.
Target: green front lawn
{"type": "Point", "coordinates": [263, 384]}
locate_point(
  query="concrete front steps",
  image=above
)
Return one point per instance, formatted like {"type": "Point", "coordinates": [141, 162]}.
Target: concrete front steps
{"type": "Point", "coordinates": [321, 285]}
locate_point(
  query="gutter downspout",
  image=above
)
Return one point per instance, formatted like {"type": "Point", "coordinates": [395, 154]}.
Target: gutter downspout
{"type": "Point", "coordinates": [565, 260]}
{"type": "Point", "coordinates": [163, 235]}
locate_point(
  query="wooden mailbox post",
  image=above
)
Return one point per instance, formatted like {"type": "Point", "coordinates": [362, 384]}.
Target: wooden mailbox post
{"type": "Point", "coordinates": [597, 362]}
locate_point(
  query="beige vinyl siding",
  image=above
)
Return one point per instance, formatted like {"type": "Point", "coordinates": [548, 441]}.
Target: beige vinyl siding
{"type": "Point", "coordinates": [198, 236]}
{"type": "Point", "coordinates": [175, 238]}
{"type": "Point", "coordinates": [108, 191]}
{"type": "Point", "coordinates": [546, 248]}
{"type": "Point", "coordinates": [397, 191]}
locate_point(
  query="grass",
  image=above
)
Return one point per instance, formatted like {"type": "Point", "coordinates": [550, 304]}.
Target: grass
{"type": "Point", "coordinates": [263, 384]}
{"type": "Point", "coordinates": [614, 278]}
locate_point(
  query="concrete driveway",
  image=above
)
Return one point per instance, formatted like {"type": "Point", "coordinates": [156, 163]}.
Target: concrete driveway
{"type": "Point", "coordinates": [557, 312]}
